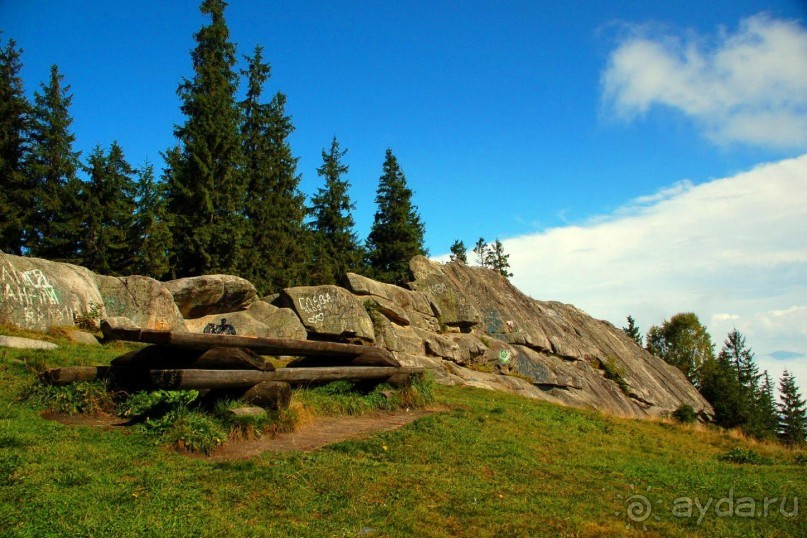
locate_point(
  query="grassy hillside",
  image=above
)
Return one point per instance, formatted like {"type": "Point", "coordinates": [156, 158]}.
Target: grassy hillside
{"type": "Point", "coordinates": [492, 465]}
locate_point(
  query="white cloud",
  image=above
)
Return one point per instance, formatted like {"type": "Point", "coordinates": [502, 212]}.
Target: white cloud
{"type": "Point", "coordinates": [732, 250]}
{"type": "Point", "coordinates": [749, 86]}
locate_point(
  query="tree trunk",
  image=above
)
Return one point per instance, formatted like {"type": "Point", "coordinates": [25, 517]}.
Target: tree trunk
{"type": "Point", "coordinates": [269, 395]}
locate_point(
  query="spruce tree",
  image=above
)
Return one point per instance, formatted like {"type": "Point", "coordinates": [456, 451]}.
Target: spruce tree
{"type": "Point", "coordinates": [151, 227]}
{"type": "Point", "coordinates": [56, 223]}
{"type": "Point", "coordinates": [397, 232]}
{"type": "Point", "coordinates": [276, 241]}
{"type": "Point", "coordinates": [633, 331]}
{"type": "Point", "coordinates": [767, 417]}
{"type": "Point", "coordinates": [206, 189]}
{"type": "Point", "coordinates": [481, 251]}
{"type": "Point", "coordinates": [792, 411]}
{"type": "Point", "coordinates": [336, 243]}
{"type": "Point", "coordinates": [107, 246]}
{"type": "Point", "coordinates": [720, 385]}
{"type": "Point", "coordinates": [459, 252]}
{"type": "Point", "coordinates": [497, 260]}
{"type": "Point", "coordinates": [16, 190]}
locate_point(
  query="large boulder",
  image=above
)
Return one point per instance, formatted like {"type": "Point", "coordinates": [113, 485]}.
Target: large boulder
{"type": "Point", "coordinates": [143, 300]}
{"type": "Point", "coordinates": [402, 306]}
{"type": "Point", "coordinates": [330, 311]}
{"type": "Point", "coordinates": [38, 294]}
{"type": "Point", "coordinates": [201, 296]}
{"type": "Point", "coordinates": [260, 319]}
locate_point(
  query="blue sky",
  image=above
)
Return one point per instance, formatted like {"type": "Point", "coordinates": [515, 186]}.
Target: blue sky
{"type": "Point", "coordinates": [545, 124]}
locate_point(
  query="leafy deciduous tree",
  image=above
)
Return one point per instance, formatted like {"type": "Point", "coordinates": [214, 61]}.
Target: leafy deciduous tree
{"type": "Point", "coordinates": [683, 342]}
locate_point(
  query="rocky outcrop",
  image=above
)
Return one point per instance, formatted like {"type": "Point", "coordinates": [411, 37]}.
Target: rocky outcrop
{"type": "Point", "coordinates": [202, 296]}
{"type": "Point", "coordinates": [468, 325]}
{"type": "Point", "coordinates": [330, 311]}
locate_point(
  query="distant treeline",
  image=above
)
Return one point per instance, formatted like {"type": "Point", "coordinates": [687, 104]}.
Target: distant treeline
{"type": "Point", "coordinates": [741, 395]}
{"type": "Point", "coordinates": [227, 200]}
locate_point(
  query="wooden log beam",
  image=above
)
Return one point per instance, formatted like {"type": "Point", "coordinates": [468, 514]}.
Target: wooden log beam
{"type": "Point", "coordinates": [73, 374]}
{"type": "Point", "coordinates": [168, 357]}
{"type": "Point", "coordinates": [258, 344]}
{"type": "Point", "coordinates": [226, 379]}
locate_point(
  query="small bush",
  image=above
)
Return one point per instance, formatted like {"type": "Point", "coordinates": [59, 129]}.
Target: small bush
{"type": "Point", "coordinates": [616, 374]}
{"type": "Point", "coordinates": [86, 397]}
{"type": "Point", "coordinates": [142, 405]}
{"type": "Point", "coordinates": [188, 430]}
{"type": "Point", "coordinates": [800, 459]}
{"type": "Point", "coordinates": [255, 427]}
{"type": "Point", "coordinates": [89, 321]}
{"type": "Point", "coordinates": [685, 414]}
{"type": "Point", "coordinates": [744, 456]}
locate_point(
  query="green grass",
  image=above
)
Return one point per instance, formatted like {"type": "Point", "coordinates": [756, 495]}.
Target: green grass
{"type": "Point", "coordinates": [493, 465]}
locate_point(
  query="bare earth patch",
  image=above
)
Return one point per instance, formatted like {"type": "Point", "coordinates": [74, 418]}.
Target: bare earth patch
{"type": "Point", "coordinates": [318, 433]}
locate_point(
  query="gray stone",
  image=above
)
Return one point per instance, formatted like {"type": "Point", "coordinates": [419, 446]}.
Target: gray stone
{"type": "Point", "coordinates": [330, 311]}
{"type": "Point", "coordinates": [145, 301]}
{"type": "Point", "coordinates": [202, 296]}
{"type": "Point", "coordinates": [37, 294]}
{"type": "Point", "coordinates": [25, 343]}
{"type": "Point", "coordinates": [81, 337]}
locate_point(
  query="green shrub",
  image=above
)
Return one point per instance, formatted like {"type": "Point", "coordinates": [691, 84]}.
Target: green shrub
{"type": "Point", "coordinates": [254, 427]}
{"type": "Point", "coordinates": [800, 459]}
{"type": "Point", "coordinates": [685, 414]}
{"type": "Point", "coordinates": [616, 374]}
{"type": "Point", "coordinates": [142, 405]}
{"type": "Point", "coordinates": [89, 321]}
{"type": "Point", "coordinates": [744, 456]}
{"type": "Point", "coordinates": [188, 430]}
{"type": "Point", "coordinates": [85, 397]}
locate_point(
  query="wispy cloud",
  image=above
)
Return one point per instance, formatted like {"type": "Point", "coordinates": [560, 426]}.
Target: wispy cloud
{"type": "Point", "coordinates": [732, 250]}
{"type": "Point", "coordinates": [748, 86]}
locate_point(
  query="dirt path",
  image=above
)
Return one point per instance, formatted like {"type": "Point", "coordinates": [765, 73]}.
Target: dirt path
{"type": "Point", "coordinates": [322, 431]}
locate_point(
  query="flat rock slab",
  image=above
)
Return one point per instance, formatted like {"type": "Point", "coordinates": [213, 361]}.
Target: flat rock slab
{"type": "Point", "coordinates": [25, 343]}
{"type": "Point", "coordinates": [319, 433]}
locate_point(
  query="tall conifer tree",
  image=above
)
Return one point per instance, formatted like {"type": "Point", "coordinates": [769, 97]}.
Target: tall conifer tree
{"type": "Point", "coordinates": [206, 188]}
{"type": "Point", "coordinates": [336, 243]}
{"type": "Point", "coordinates": [397, 232]}
{"type": "Point", "coordinates": [792, 411]}
{"type": "Point", "coordinates": [56, 223]}
{"type": "Point", "coordinates": [497, 260]}
{"type": "Point", "coordinates": [152, 228]}
{"type": "Point", "coordinates": [276, 243]}
{"type": "Point", "coordinates": [108, 244]}
{"type": "Point", "coordinates": [16, 202]}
